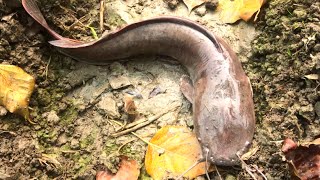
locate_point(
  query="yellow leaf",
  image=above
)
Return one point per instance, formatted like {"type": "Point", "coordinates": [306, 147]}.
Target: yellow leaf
{"type": "Point", "coordinates": [172, 151]}
{"type": "Point", "coordinates": [193, 3]}
{"type": "Point", "coordinates": [16, 87]}
{"type": "Point", "coordinates": [233, 10]}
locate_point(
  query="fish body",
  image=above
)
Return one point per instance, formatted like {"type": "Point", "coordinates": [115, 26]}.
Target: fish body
{"type": "Point", "coordinates": [218, 88]}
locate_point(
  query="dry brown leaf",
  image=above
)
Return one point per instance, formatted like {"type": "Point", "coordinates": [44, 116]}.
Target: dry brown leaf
{"type": "Point", "coordinates": [171, 152]}
{"type": "Point", "coordinates": [304, 159]}
{"type": "Point", "coordinates": [16, 87]}
{"type": "Point", "coordinates": [233, 10]}
{"type": "Point", "coordinates": [193, 3]}
{"type": "Point", "coordinates": [130, 107]}
{"type": "Point", "coordinates": [129, 170]}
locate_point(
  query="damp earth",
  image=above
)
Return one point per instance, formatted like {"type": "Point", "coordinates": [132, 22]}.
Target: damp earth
{"type": "Point", "coordinates": [77, 106]}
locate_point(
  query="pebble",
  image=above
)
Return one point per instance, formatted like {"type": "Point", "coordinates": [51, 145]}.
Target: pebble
{"type": "Point", "coordinates": [300, 13]}
{"type": "Point", "coordinates": [117, 82]}
{"type": "Point", "coordinates": [316, 48]}
{"type": "Point", "coordinates": [3, 111]}
{"type": "Point", "coordinates": [172, 3]}
{"type": "Point", "coordinates": [107, 105]}
{"type": "Point", "coordinates": [200, 11]}
{"type": "Point", "coordinates": [53, 117]}
{"type": "Point", "coordinates": [74, 144]}
{"type": "Point", "coordinates": [307, 112]}
{"type": "Point", "coordinates": [317, 108]}
{"type": "Point", "coordinates": [62, 139]}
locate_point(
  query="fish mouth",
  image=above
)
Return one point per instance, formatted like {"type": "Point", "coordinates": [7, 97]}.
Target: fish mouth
{"type": "Point", "coordinates": [227, 160]}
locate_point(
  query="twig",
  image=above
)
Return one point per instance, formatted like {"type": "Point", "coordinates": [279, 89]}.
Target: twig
{"type": "Point", "coordinates": [47, 68]}
{"type": "Point", "coordinates": [206, 164]}
{"type": "Point", "coordinates": [149, 120]}
{"type": "Point", "coordinates": [139, 121]}
{"type": "Point", "coordinates": [9, 132]}
{"type": "Point", "coordinates": [218, 172]}
{"type": "Point", "coordinates": [256, 168]}
{"type": "Point", "coordinates": [125, 144]}
{"type": "Point", "coordinates": [249, 171]}
{"type": "Point", "coordinates": [101, 15]}
{"type": "Point", "coordinates": [186, 171]}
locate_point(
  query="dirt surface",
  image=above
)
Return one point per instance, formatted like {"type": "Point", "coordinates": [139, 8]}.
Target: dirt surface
{"type": "Point", "coordinates": [77, 106]}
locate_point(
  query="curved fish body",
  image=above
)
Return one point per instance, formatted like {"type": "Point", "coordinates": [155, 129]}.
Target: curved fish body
{"type": "Point", "coordinates": [218, 88]}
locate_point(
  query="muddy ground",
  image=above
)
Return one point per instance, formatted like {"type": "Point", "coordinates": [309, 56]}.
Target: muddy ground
{"type": "Point", "coordinates": [76, 106]}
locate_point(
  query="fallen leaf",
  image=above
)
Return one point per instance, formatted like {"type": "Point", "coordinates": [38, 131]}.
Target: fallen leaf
{"type": "Point", "coordinates": [233, 10]}
{"type": "Point", "coordinates": [129, 170]}
{"type": "Point", "coordinates": [16, 87]}
{"type": "Point", "coordinates": [172, 151]}
{"type": "Point", "coordinates": [130, 107]}
{"type": "Point", "coordinates": [191, 4]}
{"type": "Point", "coordinates": [304, 159]}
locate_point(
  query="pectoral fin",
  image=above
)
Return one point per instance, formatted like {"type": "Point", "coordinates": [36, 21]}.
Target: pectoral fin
{"type": "Point", "coordinates": [186, 87]}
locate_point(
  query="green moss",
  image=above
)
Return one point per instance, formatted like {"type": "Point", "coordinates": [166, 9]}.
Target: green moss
{"type": "Point", "coordinates": [113, 18]}
{"type": "Point", "coordinates": [69, 115]}
{"type": "Point", "coordinates": [110, 146]}
{"type": "Point", "coordinates": [84, 143]}
{"type": "Point", "coordinates": [65, 147]}
{"type": "Point", "coordinates": [47, 137]}
{"type": "Point", "coordinates": [44, 97]}
{"type": "Point", "coordinates": [82, 164]}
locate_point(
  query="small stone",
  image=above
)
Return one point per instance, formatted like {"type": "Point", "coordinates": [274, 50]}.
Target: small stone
{"type": "Point", "coordinates": [3, 111]}
{"type": "Point", "coordinates": [172, 3]}
{"type": "Point", "coordinates": [200, 11]}
{"type": "Point", "coordinates": [212, 4]}
{"type": "Point", "coordinates": [300, 13]}
{"type": "Point", "coordinates": [37, 127]}
{"type": "Point", "coordinates": [62, 139]}
{"type": "Point", "coordinates": [53, 117]}
{"type": "Point", "coordinates": [117, 69]}
{"type": "Point", "coordinates": [74, 144]}
{"type": "Point", "coordinates": [107, 105]}
{"type": "Point", "coordinates": [118, 78]}
{"type": "Point", "coordinates": [117, 82]}
{"type": "Point", "coordinates": [307, 112]}
{"type": "Point", "coordinates": [316, 48]}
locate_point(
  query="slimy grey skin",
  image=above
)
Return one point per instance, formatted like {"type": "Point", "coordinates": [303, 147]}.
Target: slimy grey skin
{"type": "Point", "coordinates": [218, 88]}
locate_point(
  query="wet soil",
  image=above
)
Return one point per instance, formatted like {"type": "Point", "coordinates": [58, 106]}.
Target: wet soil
{"type": "Point", "coordinates": [76, 106]}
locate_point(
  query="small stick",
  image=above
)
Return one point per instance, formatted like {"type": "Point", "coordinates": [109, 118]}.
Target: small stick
{"type": "Point", "coordinates": [47, 68]}
{"type": "Point", "coordinates": [9, 132]}
{"type": "Point", "coordinates": [125, 144]}
{"type": "Point", "coordinates": [264, 177]}
{"type": "Point", "coordinates": [218, 172]}
{"type": "Point", "coordinates": [101, 15]}
{"type": "Point", "coordinates": [139, 121]}
{"type": "Point", "coordinates": [186, 171]}
{"type": "Point", "coordinates": [149, 120]}
{"type": "Point", "coordinates": [246, 167]}
{"type": "Point", "coordinates": [206, 164]}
